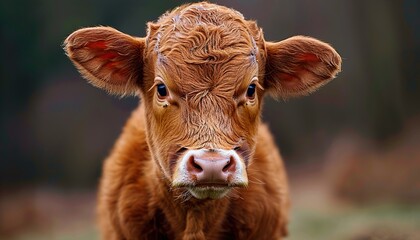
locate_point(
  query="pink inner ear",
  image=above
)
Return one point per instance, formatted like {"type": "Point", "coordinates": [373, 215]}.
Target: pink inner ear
{"type": "Point", "coordinates": [309, 57]}
{"type": "Point", "coordinates": [108, 55]}
{"type": "Point", "coordinates": [112, 65]}
{"type": "Point", "coordinates": [288, 81]}
{"type": "Point", "coordinates": [97, 45]}
{"type": "Point", "coordinates": [286, 77]}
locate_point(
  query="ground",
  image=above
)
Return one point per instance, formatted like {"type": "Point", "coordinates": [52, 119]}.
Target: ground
{"type": "Point", "coordinates": [316, 214]}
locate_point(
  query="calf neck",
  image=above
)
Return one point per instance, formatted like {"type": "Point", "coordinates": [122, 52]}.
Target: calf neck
{"type": "Point", "coordinates": [194, 161]}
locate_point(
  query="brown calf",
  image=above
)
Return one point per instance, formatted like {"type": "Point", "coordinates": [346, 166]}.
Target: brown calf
{"type": "Point", "coordinates": [194, 161]}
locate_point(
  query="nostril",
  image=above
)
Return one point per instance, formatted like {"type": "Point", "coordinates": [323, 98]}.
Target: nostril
{"type": "Point", "coordinates": [196, 166]}
{"type": "Point", "coordinates": [230, 165]}
{"type": "Point", "coordinates": [193, 166]}
{"type": "Point", "coordinates": [236, 148]}
{"type": "Point", "coordinates": [225, 168]}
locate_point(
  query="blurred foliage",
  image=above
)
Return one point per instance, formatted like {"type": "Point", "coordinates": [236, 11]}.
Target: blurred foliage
{"type": "Point", "coordinates": [361, 173]}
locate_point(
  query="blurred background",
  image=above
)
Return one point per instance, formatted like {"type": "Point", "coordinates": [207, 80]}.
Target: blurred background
{"type": "Point", "coordinates": [352, 149]}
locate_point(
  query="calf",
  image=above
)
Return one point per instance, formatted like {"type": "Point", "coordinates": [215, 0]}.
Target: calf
{"type": "Point", "coordinates": [194, 161]}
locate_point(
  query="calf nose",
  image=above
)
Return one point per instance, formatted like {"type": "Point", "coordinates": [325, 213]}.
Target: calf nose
{"type": "Point", "coordinates": [211, 168]}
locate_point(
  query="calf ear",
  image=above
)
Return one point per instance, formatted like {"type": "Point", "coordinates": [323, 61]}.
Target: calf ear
{"type": "Point", "coordinates": [299, 65]}
{"type": "Point", "coordinates": [107, 58]}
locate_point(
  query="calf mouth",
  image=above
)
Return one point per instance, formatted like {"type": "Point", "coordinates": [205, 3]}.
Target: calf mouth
{"type": "Point", "coordinates": [210, 190]}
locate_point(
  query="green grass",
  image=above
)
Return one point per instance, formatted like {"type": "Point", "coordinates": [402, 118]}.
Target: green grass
{"type": "Point", "coordinates": [377, 222]}
{"type": "Point", "coordinates": [89, 233]}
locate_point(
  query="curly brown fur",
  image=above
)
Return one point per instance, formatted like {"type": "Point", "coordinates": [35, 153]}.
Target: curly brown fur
{"type": "Point", "coordinates": [207, 56]}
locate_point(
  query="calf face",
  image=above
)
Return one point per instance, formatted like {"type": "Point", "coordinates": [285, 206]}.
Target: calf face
{"type": "Point", "coordinates": [201, 72]}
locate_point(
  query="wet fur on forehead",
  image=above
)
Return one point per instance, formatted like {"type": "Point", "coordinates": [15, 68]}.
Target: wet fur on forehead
{"type": "Point", "coordinates": [206, 50]}
{"type": "Point", "coordinates": [205, 32]}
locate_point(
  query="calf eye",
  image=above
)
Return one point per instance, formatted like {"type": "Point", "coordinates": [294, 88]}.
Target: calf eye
{"type": "Point", "coordinates": [161, 89]}
{"type": "Point", "coordinates": [250, 93]}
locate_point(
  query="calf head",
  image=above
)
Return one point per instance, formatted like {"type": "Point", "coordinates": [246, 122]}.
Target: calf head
{"type": "Point", "coordinates": [201, 72]}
